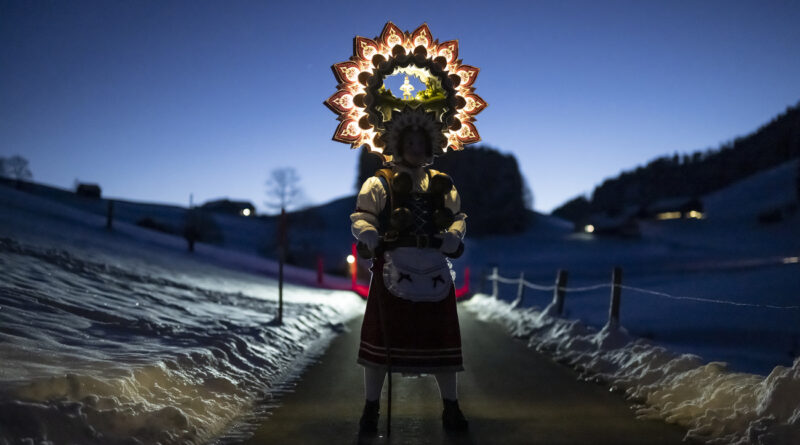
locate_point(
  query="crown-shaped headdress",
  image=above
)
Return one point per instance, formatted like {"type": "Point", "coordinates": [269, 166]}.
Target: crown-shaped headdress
{"type": "Point", "coordinates": [370, 115]}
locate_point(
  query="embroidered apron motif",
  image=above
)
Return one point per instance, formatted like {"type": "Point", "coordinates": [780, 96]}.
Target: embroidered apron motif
{"type": "Point", "coordinates": [422, 275]}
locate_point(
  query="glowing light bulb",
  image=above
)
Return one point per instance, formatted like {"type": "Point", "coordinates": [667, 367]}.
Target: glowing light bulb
{"type": "Point", "coordinates": [351, 259]}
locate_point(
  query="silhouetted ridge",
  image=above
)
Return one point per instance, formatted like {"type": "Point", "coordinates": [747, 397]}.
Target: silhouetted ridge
{"type": "Point", "coordinates": [696, 174]}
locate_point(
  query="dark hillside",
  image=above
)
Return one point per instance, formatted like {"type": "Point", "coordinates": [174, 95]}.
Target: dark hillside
{"type": "Point", "coordinates": [696, 174]}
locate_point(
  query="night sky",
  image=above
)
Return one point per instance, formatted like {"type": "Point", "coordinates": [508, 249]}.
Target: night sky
{"type": "Point", "coordinates": [157, 100]}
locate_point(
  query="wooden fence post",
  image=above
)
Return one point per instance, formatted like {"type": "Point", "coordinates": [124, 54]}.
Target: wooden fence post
{"type": "Point", "coordinates": [494, 282]}
{"type": "Point", "coordinates": [520, 289]}
{"type": "Point", "coordinates": [110, 214]}
{"type": "Point", "coordinates": [613, 311]}
{"type": "Point", "coordinates": [560, 292]}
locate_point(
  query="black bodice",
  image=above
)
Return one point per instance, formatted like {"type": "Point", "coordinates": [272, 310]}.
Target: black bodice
{"type": "Point", "coordinates": [421, 207]}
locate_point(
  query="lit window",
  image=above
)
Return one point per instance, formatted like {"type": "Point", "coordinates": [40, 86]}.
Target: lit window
{"type": "Point", "coordinates": [668, 215]}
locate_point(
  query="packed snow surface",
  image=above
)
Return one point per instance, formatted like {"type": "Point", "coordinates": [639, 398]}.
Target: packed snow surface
{"type": "Point", "coordinates": [122, 337]}
{"type": "Point", "coordinates": [715, 405]}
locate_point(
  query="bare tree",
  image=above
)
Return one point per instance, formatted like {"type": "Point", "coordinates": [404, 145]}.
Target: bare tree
{"type": "Point", "coordinates": [15, 167]}
{"type": "Point", "coordinates": [283, 189]}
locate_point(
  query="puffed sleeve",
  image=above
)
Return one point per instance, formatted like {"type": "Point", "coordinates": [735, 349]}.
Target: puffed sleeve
{"type": "Point", "coordinates": [453, 202]}
{"type": "Point", "coordinates": [369, 203]}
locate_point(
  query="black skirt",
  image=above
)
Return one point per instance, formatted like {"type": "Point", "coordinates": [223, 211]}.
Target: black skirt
{"type": "Point", "coordinates": [423, 337]}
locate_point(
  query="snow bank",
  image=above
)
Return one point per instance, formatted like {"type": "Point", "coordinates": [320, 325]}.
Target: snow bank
{"type": "Point", "coordinates": [121, 337]}
{"type": "Point", "coordinates": [715, 405]}
{"type": "Point", "coordinates": [95, 353]}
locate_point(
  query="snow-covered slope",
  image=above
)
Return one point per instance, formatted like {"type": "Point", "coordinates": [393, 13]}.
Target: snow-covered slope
{"type": "Point", "coordinates": [73, 287]}
{"type": "Point", "coordinates": [745, 199]}
{"type": "Point", "coordinates": [731, 223]}
{"type": "Point", "coordinates": [123, 337]}
{"type": "Point", "coordinates": [670, 356]}
{"type": "Point", "coordinates": [727, 256]}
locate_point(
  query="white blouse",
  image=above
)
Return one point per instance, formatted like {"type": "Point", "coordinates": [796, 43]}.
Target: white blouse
{"type": "Point", "coordinates": [372, 198]}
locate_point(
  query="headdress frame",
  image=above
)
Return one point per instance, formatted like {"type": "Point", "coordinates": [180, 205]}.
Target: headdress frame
{"type": "Point", "coordinates": [370, 116]}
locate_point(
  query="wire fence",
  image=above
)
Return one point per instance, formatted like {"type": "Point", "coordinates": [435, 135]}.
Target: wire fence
{"type": "Point", "coordinates": [765, 334]}
{"type": "Point", "coordinates": [616, 285]}
{"type": "Point", "coordinates": [709, 300]}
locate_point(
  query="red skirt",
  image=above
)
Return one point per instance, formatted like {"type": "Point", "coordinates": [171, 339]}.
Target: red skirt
{"type": "Point", "coordinates": [424, 337]}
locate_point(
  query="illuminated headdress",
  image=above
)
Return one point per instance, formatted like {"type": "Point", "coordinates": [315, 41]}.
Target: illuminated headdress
{"type": "Point", "coordinates": [370, 115]}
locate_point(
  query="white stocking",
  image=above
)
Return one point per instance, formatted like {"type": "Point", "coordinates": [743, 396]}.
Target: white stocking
{"type": "Point", "coordinates": [373, 382]}
{"type": "Point", "coordinates": [448, 385]}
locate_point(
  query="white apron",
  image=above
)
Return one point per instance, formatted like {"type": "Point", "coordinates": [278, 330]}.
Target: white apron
{"type": "Point", "coordinates": [422, 275]}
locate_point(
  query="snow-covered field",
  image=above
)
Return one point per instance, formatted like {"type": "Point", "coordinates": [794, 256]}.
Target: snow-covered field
{"type": "Point", "coordinates": [727, 256]}
{"type": "Point", "coordinates": [715, 404]}
{"type": "Point", "coordinates": [123, 337]}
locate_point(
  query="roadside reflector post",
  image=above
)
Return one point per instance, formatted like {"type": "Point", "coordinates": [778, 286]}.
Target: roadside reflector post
{"type": "Point", "coordinates": [320, 269]}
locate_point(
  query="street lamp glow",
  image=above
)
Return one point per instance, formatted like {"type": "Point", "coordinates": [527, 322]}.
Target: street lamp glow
{"type": "Point", "coordinates": [351, 259]}
{"type": "Point", "coordinates": [588, 228]}
{"type": "Point", "coordinates": [246, 212]}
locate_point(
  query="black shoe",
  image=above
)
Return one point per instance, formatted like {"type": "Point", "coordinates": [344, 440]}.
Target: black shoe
{"type": "Point", "coordinates": [452, 418]}
{"type": "Point", "coordinates": [369, 418]}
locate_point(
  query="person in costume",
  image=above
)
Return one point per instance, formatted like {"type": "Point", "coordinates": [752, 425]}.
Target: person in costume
{"type": "Point", "coordinates": [408, 217]}
{"type": "Point", "coordinates": [411, 214]}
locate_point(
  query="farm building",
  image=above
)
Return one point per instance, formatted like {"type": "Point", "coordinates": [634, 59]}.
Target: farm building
{"type": "Point", "coordinates": [241, 208]}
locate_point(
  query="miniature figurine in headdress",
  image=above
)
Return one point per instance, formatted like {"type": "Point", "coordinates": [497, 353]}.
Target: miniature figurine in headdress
{"type": "Point", "coordinates": [408, 217]}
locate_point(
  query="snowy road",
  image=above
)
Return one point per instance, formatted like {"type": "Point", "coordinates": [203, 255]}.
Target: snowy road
{"type": "Point", "coordinates": [510, 394]}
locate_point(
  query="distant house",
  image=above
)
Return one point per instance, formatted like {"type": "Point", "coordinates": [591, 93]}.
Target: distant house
{"type": "Point", "coordinates": [626, 222]}
{"type": "Point", "coordinates": [623, 223]}
{"type": "Point", "coordinates": [673, 208]}
{"type": "Point", "coordinates": [88, 190]}
{"type": "Point", "coordinates": [241, 208]}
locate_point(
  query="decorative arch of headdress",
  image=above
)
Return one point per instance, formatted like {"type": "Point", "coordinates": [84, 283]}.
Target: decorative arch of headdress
{"type": "Point", "coordinates": [369, 115]}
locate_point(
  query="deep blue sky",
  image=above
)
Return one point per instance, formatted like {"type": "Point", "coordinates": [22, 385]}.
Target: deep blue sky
{"type": "Point", "coordinates": [155, 100]}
